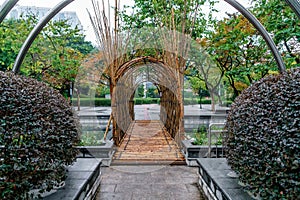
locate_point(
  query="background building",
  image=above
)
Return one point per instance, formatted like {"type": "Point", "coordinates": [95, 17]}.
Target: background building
{"type": "Point", "coordinates": [40, 12]}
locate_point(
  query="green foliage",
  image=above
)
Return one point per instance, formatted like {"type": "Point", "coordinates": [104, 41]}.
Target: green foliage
{"type": "Point", "coordinates": [280, 20]}
{"type": "Point", "coordinates": [239, 52]}
{"type": "Point", "coordinates": [152, 16]}
{"type": "Point", "coordinates": [38, 132]}
{"type": "Point", "coordinates": [139, 93]}
{"type": "Point", "coordinates": [152, 13]}
{"type": "Point", "coordinates": [93, 102]}
{"type": "Point", "coordinates": [102, 90]}
{"type": "Point", "coordinates": [91, 138]}
{"type": "Point", "coordinates": [107, 102]}
{"type": "Point", "coordinates": [54, 56]}
{"type": "Point", "coordinates": [12, 33]}
{"type": "Point", "coordinates": [193, 101]}
{"type": "Point", "coordinates": [137, 101]}
{"type": "Point", "coordinates": [152, 92]}
{"type": "Point", "coordinates": [140, 101]}
{"type": "Point", "coordinates": [264, 136]}
{"type": "Point", "coordinates": [200, 136]}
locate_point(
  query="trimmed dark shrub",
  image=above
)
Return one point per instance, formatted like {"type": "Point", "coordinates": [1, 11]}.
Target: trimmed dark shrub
{"type": "Point", "coordinates": [264, 136]}
{"type": "Point", "coordinates": [38, 133]}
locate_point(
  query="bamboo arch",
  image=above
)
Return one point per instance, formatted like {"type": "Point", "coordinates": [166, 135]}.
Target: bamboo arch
{"type": "Point", "coordinates": [129, 76]}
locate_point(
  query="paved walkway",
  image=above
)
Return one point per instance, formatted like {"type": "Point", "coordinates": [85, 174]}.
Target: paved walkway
{"type": "Point", "coordinates": [149, 182]}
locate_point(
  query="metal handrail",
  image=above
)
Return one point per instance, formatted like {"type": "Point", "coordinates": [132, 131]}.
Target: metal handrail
{"type": "Point", "coordinates": [209, 137]}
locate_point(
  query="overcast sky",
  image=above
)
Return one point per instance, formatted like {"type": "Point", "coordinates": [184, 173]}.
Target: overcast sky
{"type": "Point", "coordinates": [80, 6]}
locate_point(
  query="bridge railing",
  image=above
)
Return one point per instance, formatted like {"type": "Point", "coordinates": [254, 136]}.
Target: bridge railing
{"type": "Point", "coordinates": [216, 139]}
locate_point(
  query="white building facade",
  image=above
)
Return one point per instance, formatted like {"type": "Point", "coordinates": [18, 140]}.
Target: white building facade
{"type": "Point", "coordinates": [40, 12]}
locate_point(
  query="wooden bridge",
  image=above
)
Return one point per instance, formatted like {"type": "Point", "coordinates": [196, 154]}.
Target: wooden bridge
{"type": "Point", "coordinates": [148, 141]}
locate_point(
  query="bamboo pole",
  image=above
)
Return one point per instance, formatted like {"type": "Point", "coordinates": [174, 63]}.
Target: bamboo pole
{"type": "Point", "coordinates": [107, 126]}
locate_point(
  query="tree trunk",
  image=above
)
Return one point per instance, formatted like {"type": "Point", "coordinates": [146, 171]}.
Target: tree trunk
{"type": "Point", "coordinates": [213, 107]}
{"type": "Point", "coordinates": [219, 99]}
{"type": "Point", "coordinates": [78, 99]}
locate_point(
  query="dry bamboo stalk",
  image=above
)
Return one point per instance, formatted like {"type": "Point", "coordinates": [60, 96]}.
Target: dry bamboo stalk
{"type": "Point", "coordinates": [107, 126]}
{"type": "Point", "coordinates": [115, 47]}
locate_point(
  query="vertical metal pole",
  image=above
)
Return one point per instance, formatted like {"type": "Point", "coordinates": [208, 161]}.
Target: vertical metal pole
{"type": "Point", "coordinates": [6, 7]}
{"type": "Point", "coordinates": [252, 19]}
{"type": "Point", "coordinates": [34, 33]}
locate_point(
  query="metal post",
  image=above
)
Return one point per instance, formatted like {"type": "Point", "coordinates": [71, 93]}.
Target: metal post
{"type": "Point", "coordinates": [6, 7]}
{"type": "Point", "coordinates": [252, 19]}
{"type": "Point", "coordinates": [200, 95]}
{"type": "Point", "coordinates": [34, 33]}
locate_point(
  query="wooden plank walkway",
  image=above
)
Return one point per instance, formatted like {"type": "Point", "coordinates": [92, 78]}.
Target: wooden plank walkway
{"type": "Point", "coordinates": [147, 141]}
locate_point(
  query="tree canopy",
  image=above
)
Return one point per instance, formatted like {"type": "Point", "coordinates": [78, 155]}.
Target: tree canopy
{"type": "Point", "coordinates": [233, 44]}
{"type": "Point", "coordinates": [54, 56]}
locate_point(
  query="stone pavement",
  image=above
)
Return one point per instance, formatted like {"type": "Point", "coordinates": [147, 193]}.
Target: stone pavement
{"type": "Point", "coordinates": [149, 182]}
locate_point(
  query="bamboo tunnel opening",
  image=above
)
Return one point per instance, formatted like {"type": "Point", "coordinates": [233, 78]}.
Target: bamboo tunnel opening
{"type": "Point", "coordinates": [130, 76]}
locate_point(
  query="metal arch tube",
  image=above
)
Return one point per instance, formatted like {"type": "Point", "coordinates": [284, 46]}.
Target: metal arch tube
{"type": "Point", "coordinates": [6, 7]}
{"type": "Point", "coordinates": [295, 5]}
{"type": "Point", "coordinates": [254, 21]}
{"type": "Point", "coordinates": [34, 33]}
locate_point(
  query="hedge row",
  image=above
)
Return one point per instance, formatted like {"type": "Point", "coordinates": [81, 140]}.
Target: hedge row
{"type": "Point", "coordinates": [137, 101]}
{"type": "Point", "coordinates": [190, 101]}
{"type": "Point", "coordinates": [107, 102]}
{"type": "Point", "coordinates": [92, 102]}
{"type": "Point", "coordinates": [140, 101]}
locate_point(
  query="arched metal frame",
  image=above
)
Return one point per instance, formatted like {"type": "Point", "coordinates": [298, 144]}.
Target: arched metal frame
{"type": "Point", "coordinates": [252, 19]}
{"type": "Point", "coordinates": [34, 33]}
{"type": "Point", "coordinates": [7, 6]}
{"type": "Point", "coordinates": [295, 5]}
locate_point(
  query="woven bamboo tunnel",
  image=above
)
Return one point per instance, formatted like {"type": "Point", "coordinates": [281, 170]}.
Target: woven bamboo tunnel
{"type": "Point", "coordinates": [129, 77]}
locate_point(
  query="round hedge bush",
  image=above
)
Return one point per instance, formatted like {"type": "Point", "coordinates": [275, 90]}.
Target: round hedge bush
{"type": "Point", "coordinates": [264, 136]}
{"type": "Point", "coordinates": [38, 134]}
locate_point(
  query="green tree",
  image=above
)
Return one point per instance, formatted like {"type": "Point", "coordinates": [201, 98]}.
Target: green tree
{"type": "Point", "coordinates": [284, 25]}
{"type": "Point", "coordinates": [139, 91]}
{"type": "Point", "coordinates": [184, 16]}
{"type": "Point", "coordinates": [13, 33]}
{"type": "Point", "coordinates": [54, 56]}
{"type": "Point", "coordinates": [152, 92]}
{"type": "Point", "coordinates": [233, 44]}
{"type": "Point", "coordinates": [239, 52]}
{"type": "Point", "coordinates": [102, 90]}
{"type": "Point", "coordinates": [203, 69]}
